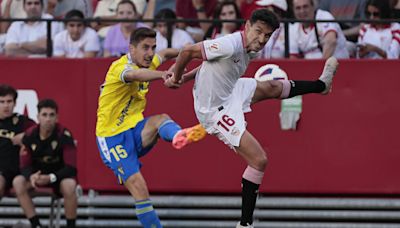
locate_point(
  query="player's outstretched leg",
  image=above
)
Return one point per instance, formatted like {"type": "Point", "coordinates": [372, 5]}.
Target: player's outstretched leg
{"type": "Point", "coordinates": [188, 135]}
{"type": "Point", "coordinates": [329, 71]}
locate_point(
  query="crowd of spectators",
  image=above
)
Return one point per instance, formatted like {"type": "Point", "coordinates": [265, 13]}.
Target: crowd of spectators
{"type": "Point", "coordinates": [74, 39]}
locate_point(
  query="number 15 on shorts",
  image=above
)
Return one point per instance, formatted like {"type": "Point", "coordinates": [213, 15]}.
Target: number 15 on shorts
{"type": "Point", "coordinates": [119, 152]}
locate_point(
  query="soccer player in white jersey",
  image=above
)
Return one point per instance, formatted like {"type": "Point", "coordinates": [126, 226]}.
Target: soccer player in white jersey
{"type": "Point", "coordinates": [221, 97]}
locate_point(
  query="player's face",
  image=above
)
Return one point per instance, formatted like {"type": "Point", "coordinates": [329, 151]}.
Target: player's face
{"type": "Point", "coordinates": [303, 9]}
{"type": "Point", "coordinates": [257, 35]}
{"type": "Point", "coordinates": [143, 53]}
{"type": "Point", "coordinates": [7, 105]}
{"type": "Point", "coordinates": [75, 29]}
{"type": "Point", "coordinates": [125, 11]}
{"type": "Point", "coordinates": [47, 118]}
{"type": "Point", "coordinates": [33, 8]}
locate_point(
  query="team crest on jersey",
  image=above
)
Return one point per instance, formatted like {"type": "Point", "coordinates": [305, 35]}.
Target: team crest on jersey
{"type": "Point", "coordinates": [54, 144]}
{"type": "Point", "coordinates": [33, 147]}
{"type": "Point", "coordinates": [15, 120]}
{"type": "Point", "coordinates": [213, 47]}
{"type": "Point", "coordinates": [235, 131]}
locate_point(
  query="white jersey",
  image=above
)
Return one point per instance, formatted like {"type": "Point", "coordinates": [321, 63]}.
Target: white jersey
{"type": "Point", "coordinates": [304, 41]}
{"type": "Point", "coordinates": [21, 32]}
{"type": "Point", "coordinates": [387, 38]}
{"type": "Point", "coordinates": [275, 47]}
{"type": "Point", "coordinates": [226, 59]}
{"type": "Point", "coordinates": [180, 38]}
{"type": "Point", "coordinates": [65, 46]}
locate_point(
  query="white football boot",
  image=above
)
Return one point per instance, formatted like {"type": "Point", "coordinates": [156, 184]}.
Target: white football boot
{"type": "Point", "coordinates": [329, 71]}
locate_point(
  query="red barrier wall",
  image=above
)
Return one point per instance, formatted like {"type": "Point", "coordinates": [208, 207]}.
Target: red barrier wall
{"type": "Point", "coordinates": [346, 142]}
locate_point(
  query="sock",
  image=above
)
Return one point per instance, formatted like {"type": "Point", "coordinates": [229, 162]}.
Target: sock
{"type": "Point", "coordinates": [304, 87]}
{"type": "Point", "coordinates": [71, 223]}
{"type": "Point", "coordinates": [147, 215]}
{"type": "Point", "coordinates": [168, 129]}
{"type": "Point", "coordinates": [249, 197]}
{"type": "Point", "coordinates": [35, 222]}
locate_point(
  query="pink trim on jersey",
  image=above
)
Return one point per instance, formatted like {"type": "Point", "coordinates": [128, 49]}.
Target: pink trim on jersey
{"type": "Point", "coordinates": [285, 89]}
{"type": "Point", "coordinates": [203, 52]}
{"type": "Point", "coordinates": [243, 39]}
{"type": "Point", "coordinates": [253, 175]}
{"type": "Point", "coordinates": [331, 30]}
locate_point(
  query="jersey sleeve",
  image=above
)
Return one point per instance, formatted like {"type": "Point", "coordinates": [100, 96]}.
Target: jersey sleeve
{"type": "Point", "coordinates": [325, 27]}
{"type": "Point", "coordinates": [220, 48]}
{"type": "Point", "coordinates": [394, 48]}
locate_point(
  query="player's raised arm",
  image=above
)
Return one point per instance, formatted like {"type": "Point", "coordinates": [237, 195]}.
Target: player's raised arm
{"type": "Point", "coordinates": [185, 56]}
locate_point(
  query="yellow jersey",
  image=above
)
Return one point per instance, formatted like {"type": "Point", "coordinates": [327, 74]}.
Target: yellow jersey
{"type": "Point", "coordinates": [121, 104]}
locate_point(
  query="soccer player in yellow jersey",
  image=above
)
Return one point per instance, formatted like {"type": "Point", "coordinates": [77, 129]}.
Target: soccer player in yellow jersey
{"type": "Point", "coordinates": [123, 134]}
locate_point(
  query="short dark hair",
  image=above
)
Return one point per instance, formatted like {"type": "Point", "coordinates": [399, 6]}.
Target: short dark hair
{"type": "Point", "coordinates": [74, 14]}
{"type": "Point", "coordinates": [8, 90]}
{"type": "Point", "coordinates": [127, 2]}
{"type": "Point", "coordinates": [47, 103]}
{"type": "Point", "coordinates": [141, 34]}
{"type": "Point", "coordinates": [383, 6]}
{"type": "Point", "coordinates": [41, 2]}
{"type": "Point", "coordinates": [265, 16]}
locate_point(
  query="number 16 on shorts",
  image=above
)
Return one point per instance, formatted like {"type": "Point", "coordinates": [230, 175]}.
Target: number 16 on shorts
{"type": "Point", "coordinates": [226, 123]}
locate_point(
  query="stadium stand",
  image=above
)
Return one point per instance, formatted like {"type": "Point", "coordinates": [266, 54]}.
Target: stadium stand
{"type": "Point", "coordinates": [222, 211]}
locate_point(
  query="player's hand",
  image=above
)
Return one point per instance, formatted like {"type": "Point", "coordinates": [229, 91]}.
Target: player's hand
{"type": "Point", "coordinates": [167, 74]}
{"type": "Point", "coordinates": [170, 83]}
{"type": "Point", "coordinates": [34, 178]}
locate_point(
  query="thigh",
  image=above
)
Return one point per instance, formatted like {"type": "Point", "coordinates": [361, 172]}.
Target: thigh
{"type": "Point", "coordinates": [6, 179]}
{"type": "Point", "coordinates": [119, 154]}
{"type": "Point", "coordinates": [267, 90]}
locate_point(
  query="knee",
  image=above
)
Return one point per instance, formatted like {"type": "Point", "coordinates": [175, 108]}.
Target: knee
{"type": "Point", "coordinates": [68, 187]}
{"type": "Point", "coordinates": [261, 162]}
{"type": "Point", "coordinates": [163, 117]}
{"type": "Point", "coordinates": [19, 184]}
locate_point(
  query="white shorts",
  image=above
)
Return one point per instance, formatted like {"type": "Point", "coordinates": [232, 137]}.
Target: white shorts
{"type": "Point", "coordinates": [227, 122]}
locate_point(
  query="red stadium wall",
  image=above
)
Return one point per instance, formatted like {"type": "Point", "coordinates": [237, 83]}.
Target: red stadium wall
{"type": "Point", "coordinates": [346, 143]}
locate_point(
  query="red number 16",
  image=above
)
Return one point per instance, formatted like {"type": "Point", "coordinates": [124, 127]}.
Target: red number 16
{"type": "Point", "coordinates": [227, 120]}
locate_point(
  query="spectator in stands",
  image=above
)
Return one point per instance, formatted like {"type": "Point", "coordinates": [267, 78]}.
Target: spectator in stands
{"type": "Point", "coordinates": [11, 127]}
{"type": "Point", "coordinates": [379, 40]}
{"type": "Point", "coordinates": [275, 47]}
{"type": "Point", "coordinates": [346, 10]}
{"type": "Point", "coordinates": [29, 38]}
{"type": "Point", "coordinates": [116, 42]}
{"type": "Point", "coordinates": [11, 9]}
{"type": "Point", "coordinates": [59, 8]}
{"type": "Point", "coordinates": [194, 9]}
{"type": "Point", "coordinates": [315, 40]}
{"type": "Point", "coordinates": [78, 40]}
{"type": "Point", "coordinates": [395, 8]}
{"type": "Point", "coordinates": [107, 9]}
{"type": "Point", "coordinates": [49, 161]}
{"type": "Point", "coordinates": [225, 10]}
{"type": "Point", "coordinates": [168, 36]}
{"type": "Point", "coordinates": [154, 6]}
